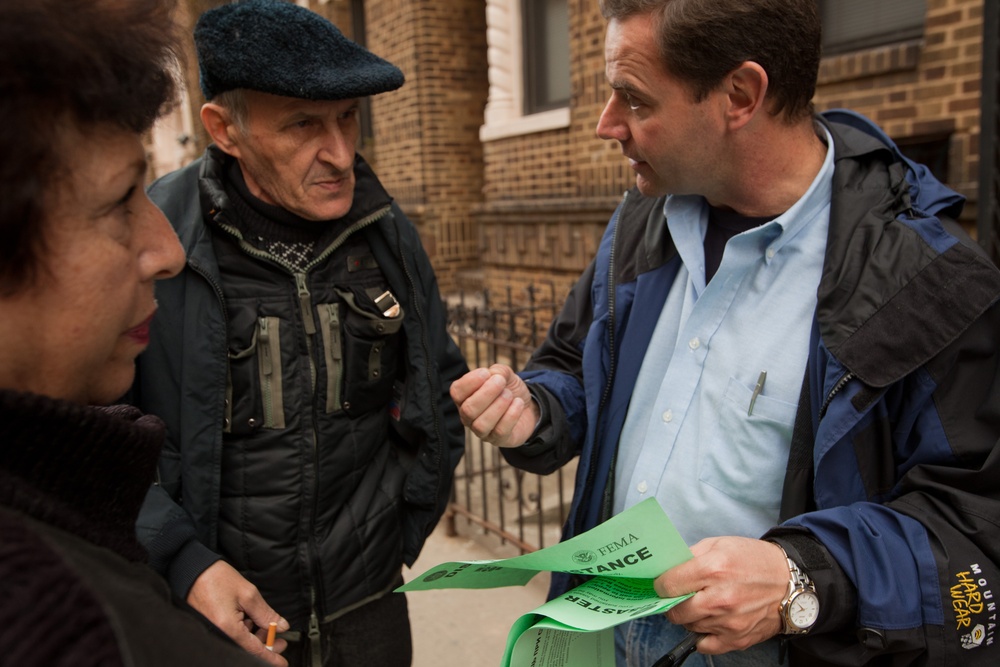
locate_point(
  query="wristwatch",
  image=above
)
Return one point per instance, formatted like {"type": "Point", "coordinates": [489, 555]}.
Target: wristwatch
{"type": "Point", "coordinates": [800, 608]}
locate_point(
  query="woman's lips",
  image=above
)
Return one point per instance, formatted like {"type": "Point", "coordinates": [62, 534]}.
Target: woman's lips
{"type": "Point", "coordinates": [140, 333]}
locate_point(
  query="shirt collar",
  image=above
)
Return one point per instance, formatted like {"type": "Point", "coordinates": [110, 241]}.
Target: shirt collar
{"type": "Point", "coordinates": [687, 214]}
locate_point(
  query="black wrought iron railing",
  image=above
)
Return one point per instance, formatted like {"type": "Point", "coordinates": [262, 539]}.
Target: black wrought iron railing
{"type": "Point", "coordinates": [521, 508]}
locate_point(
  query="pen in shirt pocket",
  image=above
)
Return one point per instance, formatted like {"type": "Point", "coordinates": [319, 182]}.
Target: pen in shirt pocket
{"type": "Point", "coordinates": [756, 391]}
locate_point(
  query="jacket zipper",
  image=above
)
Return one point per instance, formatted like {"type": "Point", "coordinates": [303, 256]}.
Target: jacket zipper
{"type": "Point", "coordinates": [315, 648]}
{"type": "Point", "coordinates": [308, 323]}
{"type": "Point", "coordinates": [329, 317]}
{"type": "Point", "coordinates": [339, 241]}
{"type": "Point", "coordinates": [305, 303]}
{"type": "Point", "coordinates": [336, 352]}
{"type": "Point", "coordinates": [841, 383]}
{"type": "Point", "coordinates": [612, 361]}
{"type": "Point", "coordinates": [267, 362]}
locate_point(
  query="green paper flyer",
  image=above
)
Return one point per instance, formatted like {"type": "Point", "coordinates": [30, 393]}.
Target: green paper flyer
{"type": "Point", "coordinates": [624, 555]}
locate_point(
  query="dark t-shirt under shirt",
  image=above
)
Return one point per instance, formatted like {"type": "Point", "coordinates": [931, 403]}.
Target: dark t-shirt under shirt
{"type": "Point", "coordinates": [724, 224]}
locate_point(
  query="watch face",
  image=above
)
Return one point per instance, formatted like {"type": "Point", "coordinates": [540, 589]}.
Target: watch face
{"type": "Point", "coordinates": [803, 610]}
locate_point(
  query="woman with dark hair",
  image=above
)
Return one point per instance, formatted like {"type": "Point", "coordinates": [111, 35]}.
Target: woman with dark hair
{"type": "Point", "coordinates": [81, 248]}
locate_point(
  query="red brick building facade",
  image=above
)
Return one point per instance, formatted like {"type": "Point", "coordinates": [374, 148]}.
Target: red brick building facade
{"type": "Point", "coordinates": [503, 197]}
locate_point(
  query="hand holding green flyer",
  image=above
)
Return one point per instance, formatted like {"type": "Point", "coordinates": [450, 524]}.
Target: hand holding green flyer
{"type": "Point", "coordinates": [623, 554]}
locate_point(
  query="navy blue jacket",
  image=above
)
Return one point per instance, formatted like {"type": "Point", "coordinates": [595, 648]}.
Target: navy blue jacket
{"type": "Point", "coordinates": [891, 498]}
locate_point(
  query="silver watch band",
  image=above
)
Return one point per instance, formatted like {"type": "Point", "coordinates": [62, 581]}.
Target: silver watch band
{"type": "Point", "coordinates": [799, 583]}
{"type": "Point", "coordinates": [798, 578]}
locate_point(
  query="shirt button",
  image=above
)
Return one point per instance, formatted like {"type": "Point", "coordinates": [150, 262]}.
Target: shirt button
{"type": "Point", "coordinates": [770, 253]}
{"type": "Point", "coordinates": [694, 343]}
{"type": "Point", "coordinates": [641, 487]}
{"type": "Point", "coordinates": [668, 416]}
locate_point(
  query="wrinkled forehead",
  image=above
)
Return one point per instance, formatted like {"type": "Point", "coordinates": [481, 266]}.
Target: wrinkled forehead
{"type": "Point", "coordinates": [630, 50]}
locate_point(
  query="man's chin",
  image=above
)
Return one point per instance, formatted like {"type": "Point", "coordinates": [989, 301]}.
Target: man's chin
{"type": "Point", "coordinates": [327, 211]}
{"type": "Point", "coordinates": [649, 188]}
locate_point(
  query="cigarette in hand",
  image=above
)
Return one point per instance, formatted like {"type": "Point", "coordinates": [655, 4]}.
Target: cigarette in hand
{"type": "Point", "coordinates": [272, 631]}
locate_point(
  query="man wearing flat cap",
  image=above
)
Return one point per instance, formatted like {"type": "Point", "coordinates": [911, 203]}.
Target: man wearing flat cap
{"type": "Point", "coordinates": [300, 361]}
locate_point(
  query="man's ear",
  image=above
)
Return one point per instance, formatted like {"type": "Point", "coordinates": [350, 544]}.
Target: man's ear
{"type": "Point", "coordinates": [746, 88]}
{"type": "Point", "coordinates": [219, 125]}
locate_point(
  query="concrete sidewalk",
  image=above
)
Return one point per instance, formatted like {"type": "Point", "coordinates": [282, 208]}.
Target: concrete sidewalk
{"type": "Point", "coordinates": [466, 628]}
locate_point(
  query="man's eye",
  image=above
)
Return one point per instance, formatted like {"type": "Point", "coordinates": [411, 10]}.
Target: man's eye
{"type": "Point", "coordinates": [632, 103]}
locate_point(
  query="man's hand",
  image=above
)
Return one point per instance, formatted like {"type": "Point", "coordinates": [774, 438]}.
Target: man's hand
{"type": "Point", "coordinates": [235, 605]}
{"type": "Point", "coordinates": [739, 584]}
{"type": "Point", "coordinates": [496, 405]}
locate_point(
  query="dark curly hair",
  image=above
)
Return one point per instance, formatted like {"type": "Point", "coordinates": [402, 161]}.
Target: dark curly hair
{"type": "Point", "coordinates": [77, 63]}
{"type": "Point", "coordinates": [701, 41]}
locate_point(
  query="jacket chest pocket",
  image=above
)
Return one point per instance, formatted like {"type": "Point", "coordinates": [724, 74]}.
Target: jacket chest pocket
{"type": "Point", "coordinates": [362, 352]}
{"type": "Point", "coordinates": [254, 387]}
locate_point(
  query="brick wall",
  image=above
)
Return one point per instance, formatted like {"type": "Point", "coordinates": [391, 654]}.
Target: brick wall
{"type": "Point", "coordinates": [426, 134]}
{"type": "Point", "coordinates": [548, 196]}
{"type": "Point", "coordinates": [426, 148]}
{"type": "Point", "coordinates": [927, 89]}
{"type": "Point", "coordinates": [531, 208]}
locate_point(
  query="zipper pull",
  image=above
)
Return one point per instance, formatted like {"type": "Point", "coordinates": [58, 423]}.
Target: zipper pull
{"type": "Point", "coordinates": [337, 352]}
{"type": "Point", "coordinates": [314, 642]}
{"type": "Point", "coordinates": [305, 301]}
{"type": "Point", "coordinates": [264, 340]}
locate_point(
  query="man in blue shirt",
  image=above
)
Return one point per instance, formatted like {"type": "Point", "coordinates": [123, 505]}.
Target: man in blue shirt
{"type": "Point", "coordinates": [786, 340]}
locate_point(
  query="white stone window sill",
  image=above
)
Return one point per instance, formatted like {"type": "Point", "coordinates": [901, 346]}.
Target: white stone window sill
{"type": "Point", "coordinates": [555, 119]}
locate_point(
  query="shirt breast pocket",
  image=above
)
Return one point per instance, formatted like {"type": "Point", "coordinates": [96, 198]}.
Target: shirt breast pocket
{"type": "Point", "coordinates": [747, 462]}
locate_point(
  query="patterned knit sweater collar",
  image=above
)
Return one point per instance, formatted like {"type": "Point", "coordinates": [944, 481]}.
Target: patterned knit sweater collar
{"type": "Point", "coordinates": [82, 469]}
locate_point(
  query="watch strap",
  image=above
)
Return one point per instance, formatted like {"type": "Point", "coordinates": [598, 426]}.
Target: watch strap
{"type": "Point", "coordinates": [798, 582]}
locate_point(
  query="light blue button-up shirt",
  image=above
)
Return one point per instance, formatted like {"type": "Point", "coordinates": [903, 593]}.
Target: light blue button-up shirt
{"type": "Point", "coordinates": [687, 438]}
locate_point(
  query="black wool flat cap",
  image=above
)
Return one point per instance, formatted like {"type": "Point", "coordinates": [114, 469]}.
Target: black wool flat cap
{"type": "Point", "coordinates": [278, 47]}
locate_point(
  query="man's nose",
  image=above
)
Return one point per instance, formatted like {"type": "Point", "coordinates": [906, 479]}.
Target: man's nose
{"type": "Point", "coordinates": [337, 150]}
{"type": "Point", "coordinates": [610, 125]}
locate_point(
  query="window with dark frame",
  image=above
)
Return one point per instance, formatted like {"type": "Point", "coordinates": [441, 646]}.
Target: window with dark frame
{"type": "Point", "coordinates": [931, 151]}
{"type": "Point", "coordinates": [850, 25]}
{"type": "Point", "coordinates": [545, 54]}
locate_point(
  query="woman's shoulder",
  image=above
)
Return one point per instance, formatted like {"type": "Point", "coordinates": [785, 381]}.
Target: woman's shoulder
{"type": "Point", "coordinates": [48, 614]}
